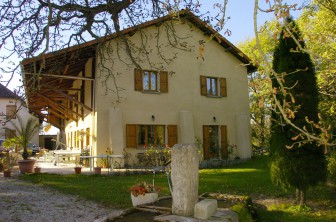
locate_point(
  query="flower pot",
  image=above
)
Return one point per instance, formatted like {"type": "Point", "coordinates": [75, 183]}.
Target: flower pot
{"type": "Point", "coordinates": [147, 198]}
{"type": "Point", "coordinates": [37, 170]}
{"type": "Point", "coordinates": [97, 170]}
{"type": "Point", "coordinates": [26, 166]}
{"type": "Point", "coordinates": [78, 170]}
{"type": "Point", "coordinates": [7, 173]}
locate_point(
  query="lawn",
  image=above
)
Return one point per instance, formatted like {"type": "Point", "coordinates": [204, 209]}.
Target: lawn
{"type": "Point", "coordinates": [249, 178]}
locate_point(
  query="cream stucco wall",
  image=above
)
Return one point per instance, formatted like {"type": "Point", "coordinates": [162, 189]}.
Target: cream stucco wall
{"type": "Point", "coordinates": [183, 92]}
{"type": "Point", "coordinates": [78, 133]}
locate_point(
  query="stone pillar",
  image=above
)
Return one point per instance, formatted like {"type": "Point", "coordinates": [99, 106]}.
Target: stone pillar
{"type": "Point", "coordinates": [116, 130]}
{"type": "Point", "coordinates": [184, 176]}
{"type": "Point", "coordinates": [244, 149]}
{"type": "Point", "coordinates": [186, 127]}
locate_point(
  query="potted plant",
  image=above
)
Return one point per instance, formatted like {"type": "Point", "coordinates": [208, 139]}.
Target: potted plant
{"type": "Point", "coordinates": [143, 193]}
{"type": "Point", "coordinates": [78, 168]}
{"type": "Point", "coordinates": [25, 132]}
{"type": "Point", "coordinates": [37, 169]}
{"type": "Point", "coordinates": [97, 169]}
{"type": "Point", "coordinates": [8, 162]}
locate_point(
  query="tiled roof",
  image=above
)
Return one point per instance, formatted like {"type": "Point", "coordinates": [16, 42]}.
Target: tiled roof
{"type": "Point", "coordinates": [6, 93]}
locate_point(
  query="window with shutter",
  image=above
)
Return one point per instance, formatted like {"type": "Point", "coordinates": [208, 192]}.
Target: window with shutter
{"type": "Point", "coordinates": [163, 81]}
{"type": "Point", "coordinates": [10, 112]}
{"type": "Point", "coordinates": [150, 81]}
{"type": "Point", "coordinates": [206, 143]}
{"type": "Point", "coordinates": [131, 139]}
{"type": "Point", "coordinates": [211, 147]}
{"type": "Point", "coordinates": [138, 79]}
{"type": "Point", "coordinates": [224, 141]}
{"type": "Point", "coordinates": [10, 133]}
{"type": "Point", "coordinates": [203, 80]}
{"type": "Point", "coordinates": [213, 86]}
{"type": "Point", "coordinates": [222, 85]}
{"type": "Point", "coordinates": [87, 137]}
{"type": "Point", "coordinates": [172, 135]}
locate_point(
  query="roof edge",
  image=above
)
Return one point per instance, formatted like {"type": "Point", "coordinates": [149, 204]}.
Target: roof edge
{"type": "Point", "coordinates": [184, 14]}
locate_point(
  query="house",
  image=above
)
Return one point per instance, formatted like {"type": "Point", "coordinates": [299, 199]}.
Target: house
{"type": "Point", "coordinates": [12, 105]}
{"type": "Point", "coordinates": [189, 85]}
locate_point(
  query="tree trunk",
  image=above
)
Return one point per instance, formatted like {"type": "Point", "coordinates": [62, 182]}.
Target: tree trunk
{"type": "Point", "coordinates": [297, 196]}
{"type": "Point", "coordinates": [300, 196]}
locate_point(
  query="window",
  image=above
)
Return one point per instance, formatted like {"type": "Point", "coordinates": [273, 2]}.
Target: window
{"type": "Point", "coordinates": [151, 81]}
{"type": "Point", "coordinates": [211, 136]}
{"type": "Point", "coordinates": [213, 86]}
{"type": "Point", "coordinates": [149, 135]}
{"type": "Point", "coordinates": [87, 137]}
{"type": "Point", "coordinates": [10, 133]}
{"type": "Point", "coordinates": [11, 111]}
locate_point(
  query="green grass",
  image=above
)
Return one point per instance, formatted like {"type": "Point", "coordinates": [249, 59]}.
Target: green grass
{"type": "Point", "coordinates": [249, 178]}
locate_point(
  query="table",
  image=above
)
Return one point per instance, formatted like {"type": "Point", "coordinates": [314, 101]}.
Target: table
{"type": "Point", "coordinates": [108, 157]}
{"type": "Point", "coordinates": [66, 154]}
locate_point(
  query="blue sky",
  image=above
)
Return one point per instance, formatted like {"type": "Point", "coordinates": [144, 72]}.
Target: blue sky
{"type": "Point", "coordinates": [241, 16]}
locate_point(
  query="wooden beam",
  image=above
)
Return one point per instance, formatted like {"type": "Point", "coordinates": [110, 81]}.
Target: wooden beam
{"type": "Point", "coordinates": [52, 111]}
{"type": "Point", "coordinates": [73, 100]}
{"type": "Point", "coordinates": [61, 108]}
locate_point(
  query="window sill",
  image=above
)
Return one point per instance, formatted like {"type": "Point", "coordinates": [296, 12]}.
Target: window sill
{"type": "Point", "coordinates": [210, 96]}
{"type": "Point", "coordinates": [152, 92]}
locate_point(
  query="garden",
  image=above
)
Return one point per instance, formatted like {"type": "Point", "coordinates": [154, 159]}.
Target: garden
{"type": "Point", "coordinates": [250, 178]}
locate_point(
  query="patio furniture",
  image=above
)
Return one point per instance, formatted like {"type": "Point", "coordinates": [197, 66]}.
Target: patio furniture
{"type": "Point", "coordinates": [108, 157]}
{"type": "Point", "coordinates": [66, 154]}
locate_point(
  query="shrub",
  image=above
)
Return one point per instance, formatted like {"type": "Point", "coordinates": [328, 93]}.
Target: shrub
{"type": "Point", "coordinates": [332, 167]}
{"type": "Point", "coordinates": [243, 213]}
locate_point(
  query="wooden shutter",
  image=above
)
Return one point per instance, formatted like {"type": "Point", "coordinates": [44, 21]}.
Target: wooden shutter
{"type": "Point", "coordinates": [222, 86]}
{"type": "Point", "coordinates": [137, 79]}
{"type": "Point", "coordinates": [10, 112]}
{"type": "Point", "coordinates": [131, 141]}
{"type": "Point", "coordinates": [172, 135]}
{"type": "Point", "coordinates": [224, 141]}
{"type": "Point", "coordinates": [10, 133]}
{"type": "Point", "coordinates": [164, 81]}
{"type": "Point", "coordinates": [203, 85]}
{"type": "Point", "coordinates": [206, 143]}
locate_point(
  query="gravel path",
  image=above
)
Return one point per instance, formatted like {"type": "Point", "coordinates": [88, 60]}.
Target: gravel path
{"type": "Point", "coordinates": [26, 202]}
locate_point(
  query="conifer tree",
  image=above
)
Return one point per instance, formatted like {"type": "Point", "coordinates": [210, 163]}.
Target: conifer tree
{"type": "Point", "coordinates": [295, 163]}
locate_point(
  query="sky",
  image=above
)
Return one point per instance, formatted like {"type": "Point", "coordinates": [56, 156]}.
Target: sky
{"type": "Point", "coordinates": [240, 23]}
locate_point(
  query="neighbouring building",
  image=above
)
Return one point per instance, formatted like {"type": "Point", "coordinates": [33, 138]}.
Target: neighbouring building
{"type": "Point", "coordinates": [190, 86]}
{"type": "Point", "coordinates": [11, 106]}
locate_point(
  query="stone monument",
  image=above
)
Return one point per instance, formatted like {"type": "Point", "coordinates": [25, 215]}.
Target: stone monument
{"type": "Point", "coordinates": [184, 176]}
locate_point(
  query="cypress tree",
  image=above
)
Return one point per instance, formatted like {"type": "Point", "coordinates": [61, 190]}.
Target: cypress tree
{"type": "Point", "coordinates": [295, 163]}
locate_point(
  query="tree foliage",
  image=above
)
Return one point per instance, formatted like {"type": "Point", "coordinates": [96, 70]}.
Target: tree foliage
{"type": "Point", "coordinates": [321, 44]}
{"type": "Point", "coordinates": [292, 154]}
{"type": "Point", "coordinates": [313, 23]}
{"type": "Point", "coordinates": [25, 132]}
{"type": "Point", "coordinates": [260, 85]}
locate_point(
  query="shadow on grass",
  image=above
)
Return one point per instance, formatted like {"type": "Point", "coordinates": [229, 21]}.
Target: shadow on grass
{"type": "Point", "coordinates": [285, 216]}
